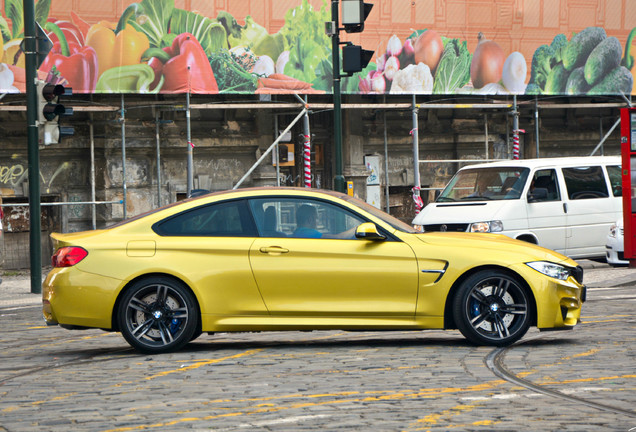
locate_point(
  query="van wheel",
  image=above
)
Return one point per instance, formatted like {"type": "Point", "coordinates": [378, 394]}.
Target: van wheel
{"type": "Point", "coordinates": [492, 308]}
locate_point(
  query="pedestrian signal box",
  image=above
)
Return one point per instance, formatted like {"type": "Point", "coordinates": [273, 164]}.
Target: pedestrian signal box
{"type": "Point", "coordinates": [628, 174]}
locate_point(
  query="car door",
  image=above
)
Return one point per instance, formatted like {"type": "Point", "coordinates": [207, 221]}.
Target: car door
{"type": "Point", "coordinates": [546, 211]}
{"type": "Point", "coordinates": [591, 209]}
{"type": "Point", "coordinates": [329, 272]}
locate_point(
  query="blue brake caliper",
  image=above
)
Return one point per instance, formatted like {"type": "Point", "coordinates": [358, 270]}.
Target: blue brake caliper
{"type": "Point", "coordinates": [174, 325]}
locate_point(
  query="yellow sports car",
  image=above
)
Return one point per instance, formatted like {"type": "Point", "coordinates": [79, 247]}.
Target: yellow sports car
{"type": "Point", "coordinates": [301, 259]}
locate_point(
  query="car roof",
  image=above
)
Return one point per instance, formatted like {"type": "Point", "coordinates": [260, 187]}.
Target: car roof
{"type": "Point", "coordinates": [549, 162]}
{"type": "Point", "coordinates": [241, 193]}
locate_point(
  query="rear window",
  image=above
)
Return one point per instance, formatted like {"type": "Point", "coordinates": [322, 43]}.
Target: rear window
{"type": "Point", "coordinates": [225, 219]}
{"type": "Point", "coordinates": [585, 182]}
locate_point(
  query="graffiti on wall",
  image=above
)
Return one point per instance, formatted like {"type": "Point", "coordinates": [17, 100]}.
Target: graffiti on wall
{"type": "Point", "coordinates": [16, 174]}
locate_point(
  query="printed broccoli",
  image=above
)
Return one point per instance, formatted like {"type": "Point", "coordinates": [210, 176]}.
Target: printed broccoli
{"type": "Point", "coordinates": [559, 44]}
{"type": "Point", "coordinates": [542, 63]}
{"type": "Point", "coordinates": [546, 58]}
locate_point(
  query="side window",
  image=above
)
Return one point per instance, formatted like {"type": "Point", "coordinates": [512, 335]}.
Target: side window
{"type": "Point", "coordinates": [226, 219]}
{"type": "Point", "coordinates": [303, 218]}
{"type": "Point", "coordinates": [585, 182]}
{"type": "Point", "coordinates": [544, 186]}
{"type": "Point", "coordinates": [614, 174]}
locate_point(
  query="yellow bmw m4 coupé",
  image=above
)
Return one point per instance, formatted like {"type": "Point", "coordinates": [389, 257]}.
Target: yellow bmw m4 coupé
{"type": "Point", "coordinates": [301, 259]}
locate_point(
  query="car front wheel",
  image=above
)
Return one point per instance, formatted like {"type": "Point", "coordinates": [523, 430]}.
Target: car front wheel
{"type": "Point", "coordinates": [158, 315]}
{"type": "Point", "coordinates": [492, 308]}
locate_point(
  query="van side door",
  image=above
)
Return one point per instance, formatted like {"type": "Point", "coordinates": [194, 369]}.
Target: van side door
{"type": "Point", "coordinates": [591, 209]}
{"type": "Point", "coordinates": [546, 214]}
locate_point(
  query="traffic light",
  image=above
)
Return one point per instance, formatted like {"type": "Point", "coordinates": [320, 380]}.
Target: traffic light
{"type": "Point", "coordinates": [49, 111]}
{"type": "Point", "coordinates": [354, 58]}
{"type": "Point", "coordinates": [354, 12]}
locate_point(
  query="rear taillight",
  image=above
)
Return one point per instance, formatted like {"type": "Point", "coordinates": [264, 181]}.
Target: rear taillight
{"type": "Point", "coordinates": [68, 256]}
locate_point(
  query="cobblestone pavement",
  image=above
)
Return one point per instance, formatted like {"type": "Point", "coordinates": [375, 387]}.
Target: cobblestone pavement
{"type": "Point", "coordinates": [52, 379]}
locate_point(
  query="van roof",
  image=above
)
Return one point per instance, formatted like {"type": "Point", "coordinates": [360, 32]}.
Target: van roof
{"type": "Point", "coordinates": [549, 162]}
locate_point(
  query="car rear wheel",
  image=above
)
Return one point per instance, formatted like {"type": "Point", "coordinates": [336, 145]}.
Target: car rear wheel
{"type": "Point", "coordinates": [158, 315]}
{"type": "Point", "coordinates": [492, 308]}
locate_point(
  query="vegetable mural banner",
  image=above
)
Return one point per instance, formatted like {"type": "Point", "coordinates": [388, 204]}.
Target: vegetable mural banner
{"type": "Point", "coordinates": [543, 47]}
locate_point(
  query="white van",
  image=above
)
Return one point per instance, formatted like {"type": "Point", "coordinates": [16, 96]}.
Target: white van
{"type": "Point", "coordinates": [563, 204]}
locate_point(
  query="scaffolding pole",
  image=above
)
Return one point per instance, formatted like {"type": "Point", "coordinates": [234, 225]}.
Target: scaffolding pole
{"type": "Point", "coordinates": [416, 157]}
{"type": "Point", "coordinates": [122, 119]}
{"type": "Point", "coordinates": [270, 148]}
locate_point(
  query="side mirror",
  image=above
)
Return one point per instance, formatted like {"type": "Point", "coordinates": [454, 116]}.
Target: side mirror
{"type": "Point", "coordinates": [369, 231]}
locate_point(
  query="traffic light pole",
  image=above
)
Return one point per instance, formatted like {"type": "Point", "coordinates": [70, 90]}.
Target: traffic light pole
{"type": "Point", "coordinates": [339, 180]}
{"type": "Point", "coordinates": [30, 54]}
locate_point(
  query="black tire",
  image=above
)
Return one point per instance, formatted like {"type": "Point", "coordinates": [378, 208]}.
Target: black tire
{"type": "Point", "coordinates": [492, 308]}
{"type": "Point", "coordinates": [158, 315]}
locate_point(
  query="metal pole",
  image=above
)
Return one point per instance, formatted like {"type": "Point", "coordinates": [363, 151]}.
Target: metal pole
{"type": "Point", "coordinates": [123, 153]}
{"type": "Point", "coordinates": [269, 150]}
{"type": "Point", "coordinates": [515, 130]}
{"type": "Point", "coordinates": [35, 225]}
{"type": "Point", "coordinates": [486, 132]}
{"type": "Point", "coordinates": [158, 146]}
{"type": "Point", "coordinates": [339, 180]}
{"type": "Point", "coordinates": [536, 122]}
{"type": "Point", "coordinates": [416, 162]}
{"type": "Point", "coordinates": [92, 140]}
{"type": "Point", "coordinates": [190, 145]}
{"type": "Point", "coordinates": [600, 144]}
{"type": "Point", "coordinates": [307, 148]}
{"type": "Point", "coordinates": [277, 151]}
{"type": "Point", "coordinates": [386, 166]}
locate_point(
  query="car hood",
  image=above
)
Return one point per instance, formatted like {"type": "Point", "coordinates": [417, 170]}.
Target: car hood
{"type": "Point", "coordinates": [459, 212]}
{"type": "Point", "coordinates": [493, 246]}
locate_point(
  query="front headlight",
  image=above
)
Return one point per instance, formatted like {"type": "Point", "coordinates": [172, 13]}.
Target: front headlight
{"type": "Point", "coordinates": [550, 269]}
{"type": "Point", "coordinates": [490, 226]}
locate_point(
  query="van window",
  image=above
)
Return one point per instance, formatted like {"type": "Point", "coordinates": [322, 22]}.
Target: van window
{"type": "Point", "coordinates": [544, 186]}
{"type": "Point", "coordinates": [585, 182]}
{"type": "Point", "coordinates": [614, 174]}
{"type": "Point", "coordinates": [497, 183]}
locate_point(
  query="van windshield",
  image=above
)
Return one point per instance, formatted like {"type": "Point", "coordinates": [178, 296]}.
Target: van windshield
{"type": "Point", "coordinates": [479, 184]}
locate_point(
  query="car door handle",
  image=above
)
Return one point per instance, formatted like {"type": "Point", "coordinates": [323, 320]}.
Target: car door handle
{"type": "Point", "coordinates": [274, 250]}
{"type": "Point", "coordinates": [565, 207]}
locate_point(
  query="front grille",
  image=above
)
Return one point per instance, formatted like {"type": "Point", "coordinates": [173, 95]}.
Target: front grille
{"type": "Point", "coordinates": [577, 273]}
{"type": "Point", "coordinates": [446, 227]}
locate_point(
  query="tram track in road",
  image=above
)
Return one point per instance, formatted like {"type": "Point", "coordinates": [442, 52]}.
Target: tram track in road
{"type": "Point", "coordinates": [495, 359]}
{"type": "Point", "coordinates": [494, 362]}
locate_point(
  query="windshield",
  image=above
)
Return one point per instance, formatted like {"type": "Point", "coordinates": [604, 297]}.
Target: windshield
{"type": "Point", "coordinates": [479, 184]}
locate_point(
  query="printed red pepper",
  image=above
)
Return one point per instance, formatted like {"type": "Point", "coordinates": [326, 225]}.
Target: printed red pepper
{"type": "Point", "coordinates": [75, 63]}
{"type": "Point", "coordinates": [71, 32]}
{"type": "Point", "coordinates": [184, 66]}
